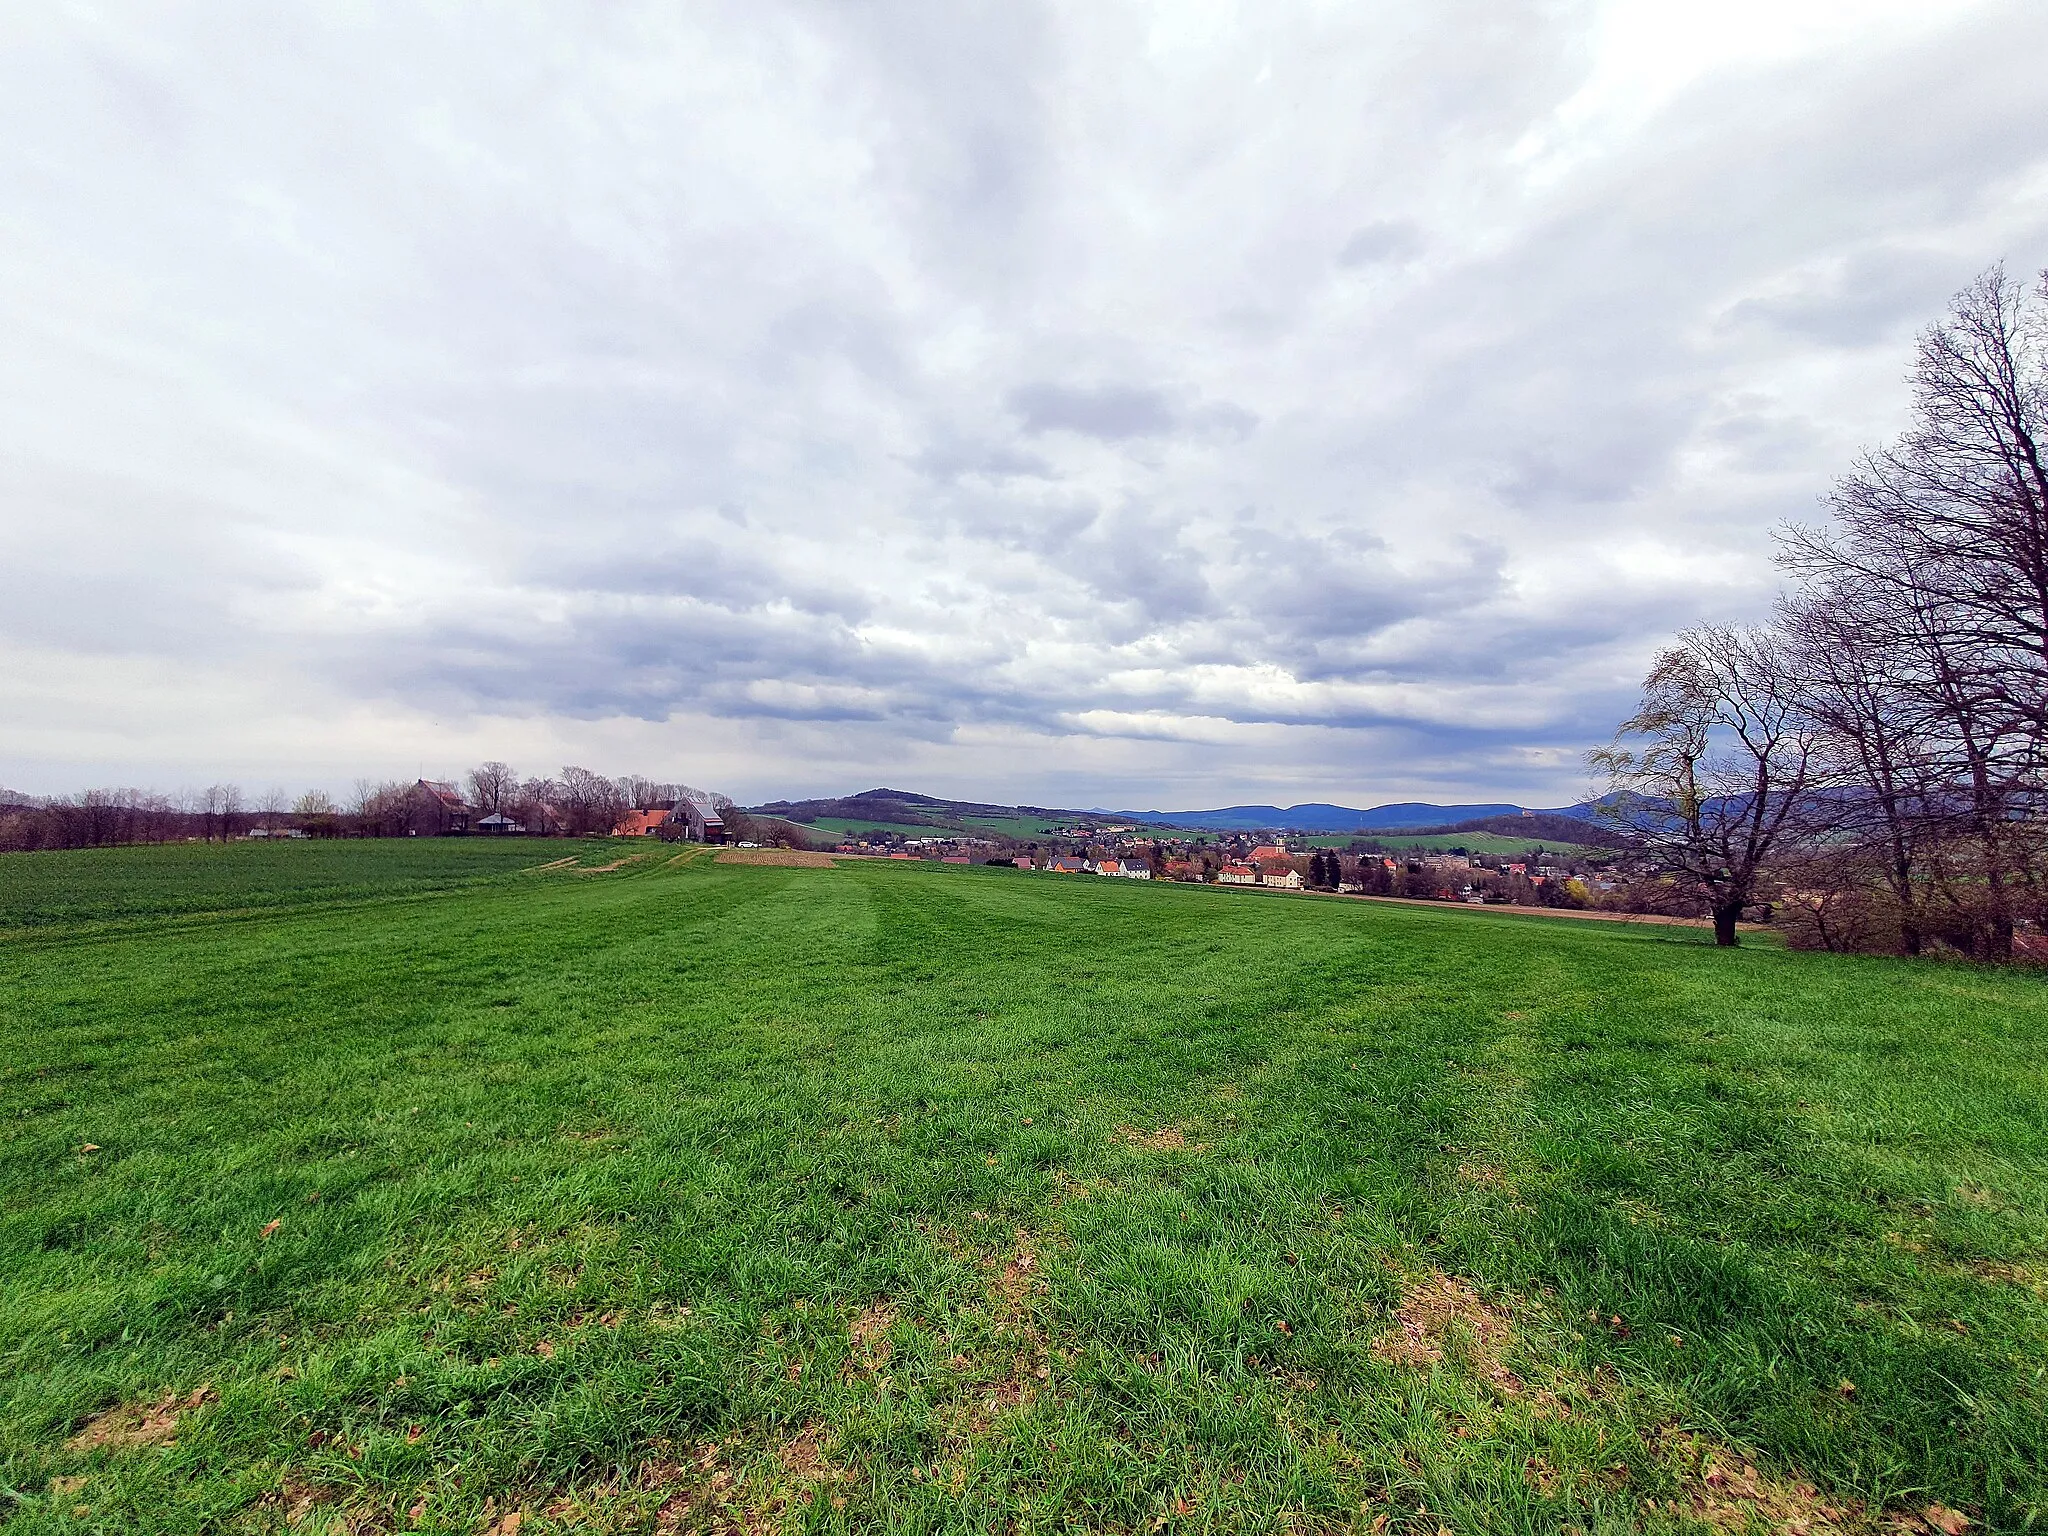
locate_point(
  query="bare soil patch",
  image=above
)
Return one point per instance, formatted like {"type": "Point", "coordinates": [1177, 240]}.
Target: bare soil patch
{"type": "Point", "coordinates": [131, 1424]}
{"type": "Point", "coordinates": [786, 858]}
{"type": "Point", "coordinates": [870, 1335]}
{"type": "Point", "coordinates": [1436, 1309]}
{"type": "Point", "coordinates": [1168, 1138]}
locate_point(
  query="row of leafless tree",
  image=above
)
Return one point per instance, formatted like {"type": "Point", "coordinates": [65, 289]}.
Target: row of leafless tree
{"type": "Point", "coordinates": [1875, 761]}
{"type": "Point", "coordinates": [99, 818]}
{"type": "Point", "coordinates": [577, 802]}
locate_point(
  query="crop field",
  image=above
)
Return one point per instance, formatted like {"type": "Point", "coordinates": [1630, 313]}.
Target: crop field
{"type": "Point", "coordinates": [102, 884]}
{"type": "Point", "coordinates": [472, 1197]}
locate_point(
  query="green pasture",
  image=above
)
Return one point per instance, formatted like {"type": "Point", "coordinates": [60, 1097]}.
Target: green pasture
{"type": "Point", "coordinates": [842, 826]}
{"type": "Point", "coordinates": [1026, 827]}
{"type": "Point", "coordinates": [1471, 842]}
{"type": "Point", "coordinates": [902, 1197]}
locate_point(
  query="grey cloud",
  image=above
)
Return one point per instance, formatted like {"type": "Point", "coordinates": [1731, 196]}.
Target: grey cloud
{"type": "Point", "coordinates": [950, 458]}
{"type": "Point", "coordinates": [1858, 300]}
{"type": "Point", "coordinates": [1383, 240]}
{"type": "Point", "coordinates": [1112, 413]}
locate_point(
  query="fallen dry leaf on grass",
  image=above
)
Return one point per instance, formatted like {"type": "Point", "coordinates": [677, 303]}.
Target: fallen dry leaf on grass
{"type": "Point", "coordinates": [545, 1350]}
{"type": "Point", "coordinates": [1948, 1521]}
{"type": "Point", "coordinates": [90, 1146]}
{"type": "Point", "coordinates": [413, 1433]}
{"type": "Point", "coordinates": [270, 1230]}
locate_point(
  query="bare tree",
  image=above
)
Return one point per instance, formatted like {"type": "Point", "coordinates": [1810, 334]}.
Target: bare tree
{"type": "Point", "coordinates": [1945, 533]}
{"type": "Point", "coordinates": [590, 802]}
{"type": "Point", "coordinates": [640, 793]}
{"type": "Point", "coordinates": [271, 806]}
{"type": "Point", "coordinates": [1716, 768]}
{"type": "Point", "coordinates": [1861, 677]}
{"type": "Point", "coordinates": [492, 786]}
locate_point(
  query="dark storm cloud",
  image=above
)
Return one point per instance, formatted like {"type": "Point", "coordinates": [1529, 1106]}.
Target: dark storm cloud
{"type": "Point", "coordinates": [1076, 380]}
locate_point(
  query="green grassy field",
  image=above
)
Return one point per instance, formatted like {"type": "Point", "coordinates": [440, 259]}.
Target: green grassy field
{"type": "Point", "coordinates": [1471, 842]}
{"type": "Point", "coordinates": [912, 1198]}
{"type": "Point", "coordinates": [103, 884]}
{"type": "Point", "coordinates": [842, 826]}
{"type": "Point", "coordinates": [1010, 826]}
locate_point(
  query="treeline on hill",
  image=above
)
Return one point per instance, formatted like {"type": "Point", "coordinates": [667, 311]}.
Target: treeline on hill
{"type": "Point", "coordinates": [1543, 827]}
{"type": "Point", "coordinates": [1875, 760]}
{"type": "Point", "coordinates": [575, 803]}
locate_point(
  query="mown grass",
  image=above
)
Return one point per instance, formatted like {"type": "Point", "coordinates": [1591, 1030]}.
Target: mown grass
{"type": "Point", "coordinates": [917, 1198]}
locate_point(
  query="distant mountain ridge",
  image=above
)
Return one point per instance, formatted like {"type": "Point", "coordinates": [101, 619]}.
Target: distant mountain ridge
{"type": "Point", "coordinates": [907, 807]}
{"type": "Point", "coordinates": [1402, 816]}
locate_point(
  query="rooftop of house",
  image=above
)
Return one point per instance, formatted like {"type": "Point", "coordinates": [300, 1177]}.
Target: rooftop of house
{"type": "Point", "coordinates": [447, 794]}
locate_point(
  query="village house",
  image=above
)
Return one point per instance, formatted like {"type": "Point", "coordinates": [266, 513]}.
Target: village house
{"type": "Point", "coordinates": [695, 819]}
{"type": "Point", "coordinates": [438, 810]}
{"type": "Point", "coordinates": [1064, 865]}
{"type": "Point", "coordinates": [641, 824]}
{"type": "Point", "coordinates": [1286, 880]}
{"type": "Point", "coordinates": [1237, 874]}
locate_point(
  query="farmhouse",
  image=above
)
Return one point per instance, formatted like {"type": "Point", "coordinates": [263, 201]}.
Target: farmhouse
{"type": "Point", "coordinates": [641, 824]}
{"type": "Point", "coordinates": [498, 824]}
{"type": "Point", "coordinates": [1063, 865]}
{"type": "Point", "coordinates": [438, 809]}
{"type": "Point", "coordinates": [1286, 880]}
{"type": "Point", "coordinates": [1237, 874]}
{"type": "Point", "coordinates": [695, 819]}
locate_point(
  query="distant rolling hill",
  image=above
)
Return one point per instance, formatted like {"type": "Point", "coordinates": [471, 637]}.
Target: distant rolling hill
{"type": "Point", "coordinates": [902, 807]}
{"type": "Point", "coordinates": [1407, 816]}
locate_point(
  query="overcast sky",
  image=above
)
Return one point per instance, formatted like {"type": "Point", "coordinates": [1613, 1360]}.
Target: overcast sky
{"type": "Point", "coordinates": [1077, 404]}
